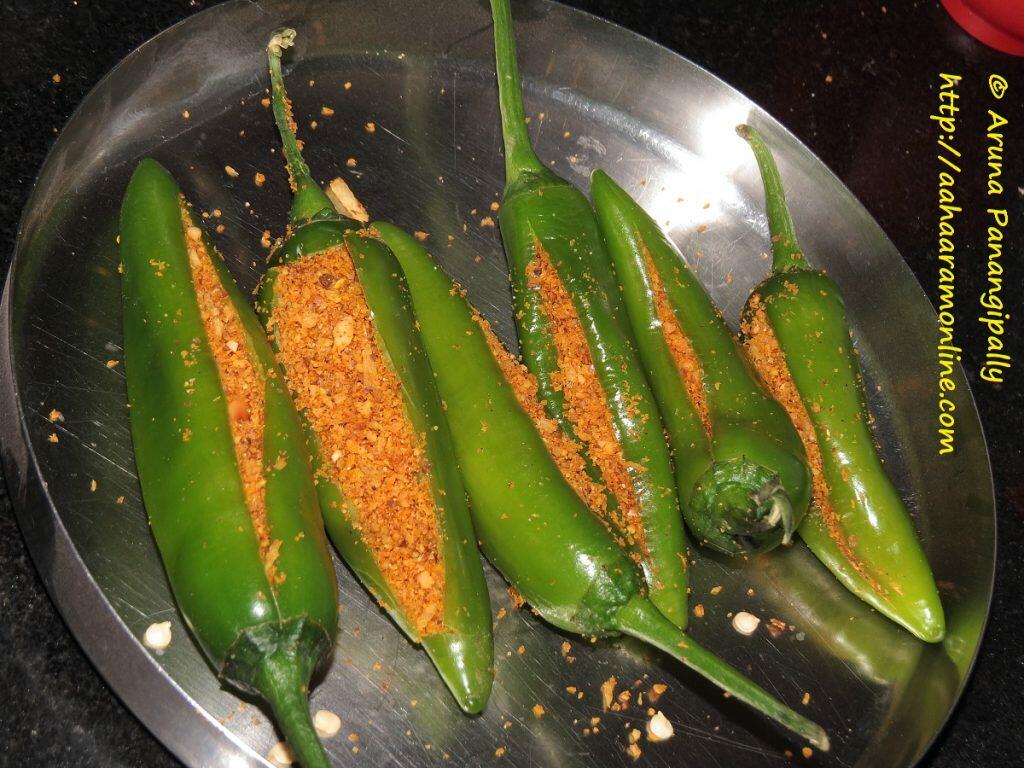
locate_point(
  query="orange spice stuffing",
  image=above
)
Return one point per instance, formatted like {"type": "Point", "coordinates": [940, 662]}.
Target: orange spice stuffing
{"type": "Point", "coordinates": [770, 361]}
{"type": "Point", "coordinates": [679, 346]}
{"type": "Point", "coordinates": [242, 382]}
{"type": "Point", "coordinates": [566, 452]}
{"type": "Point", "coordinates": [353, 400]}
{"type": "Point", "coordinates": [585, 401]}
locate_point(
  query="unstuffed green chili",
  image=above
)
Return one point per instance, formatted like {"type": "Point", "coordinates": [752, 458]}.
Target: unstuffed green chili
{"type": "Point", "coordinates": [798, 337]}
{"type": "Point", "coordinates": [258, 591]}
{"type": "Point", "coordinates": [548, 228]}
{"type": "Point", "coordinates": [740, 466]}
{"type": "Point", "coordinates": [530, 522]}
{"type": "Point", "coordinates": [463, 651]}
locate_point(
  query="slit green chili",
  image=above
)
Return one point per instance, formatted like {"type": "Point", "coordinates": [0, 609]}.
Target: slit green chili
{"type": "Point", "coordinates": [530, 522]}
{"type": "Point", "coordinates": [797, 332]}
{"type": "Point", "coordinates": [262, 635]}
{"type": "Point", "coordinates": [544, 217]}
{"type": "Point", "coordinates": [463, 653]}
{"type": "Point", "coordinates": [743, 480]}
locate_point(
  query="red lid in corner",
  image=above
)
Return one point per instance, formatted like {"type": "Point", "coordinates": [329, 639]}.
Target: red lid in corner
{"type": "Point", "coordinates": [997, 23]}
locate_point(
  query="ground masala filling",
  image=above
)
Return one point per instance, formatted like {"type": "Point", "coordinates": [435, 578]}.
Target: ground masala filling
{"type": "Point", "coordinates": [679, 345]}
{"type": "Point", "coordinates": [770, 362]}
{"type": "Point", "coordinates": [243, 385]}
{"type": "Point", "coordinates": [347, 389]}
{"type": "Point", "coordinates": [585, 403]}
{"type": "Point", "coordinates": [566, 452]}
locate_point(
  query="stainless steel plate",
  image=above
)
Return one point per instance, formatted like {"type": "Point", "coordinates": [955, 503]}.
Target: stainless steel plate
{"type": "Point", "coordinates": [422, 73]}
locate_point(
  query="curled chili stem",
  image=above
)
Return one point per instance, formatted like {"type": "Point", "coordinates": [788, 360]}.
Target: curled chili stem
{"type": "Point", "coordinates": [282, 682]}
{"type": "Point", "coordinates": [640, 619]}
{"type": "Point", "coordinates": [786, 253]}
{"type": "Point", "coordinates": [519, 155]}
{"type": "Point", "coordinates": [309, 199]}
{"type": "Point", "coordinates": [781, 508]}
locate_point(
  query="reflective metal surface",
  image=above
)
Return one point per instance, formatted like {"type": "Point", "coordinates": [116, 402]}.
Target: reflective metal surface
{"type": "Point", "coordinates": [422, 73]}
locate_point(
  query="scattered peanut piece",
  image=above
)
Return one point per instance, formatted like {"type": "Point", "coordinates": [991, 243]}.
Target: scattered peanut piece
{"type": "Point", "coordinates": [745, 623]}
{"type": "Point", "coordinates": [326, 723]}
{"type": "Point", "coordinates": [717, 589]}
{"type": "Point", "coordinates": [351, 162]}
{"type": "Point", "coordinates": [807, 752]}
{"type": "Point", "coordinates": [486, 221]}
{"type": "Point", "coordinates": [538, 710]}
{"type": "Point", "coordinates": [656, 691]}
{"type": "Point", "coordinates": [344, 200]}
{"type": "Point", "coordinates": [659, 728]}
{"type": "Point", "coordinates": [265, 102]}
{"type": "Point", "coordinates": [495, 205]}
{"type": "Point", "coordinates": [698, 610]}
{"type": "Point", "coordinates": [348, 86]}
{"type": "Point", "coordinates": [112, 363]}
{"type": "Point", "coordinates": [186, 114]}
{"type": "Point", "coordinates": [157, 636]}
{"type": "Point", "coordinates": [259, 179]}
{"type": "Point", "coordinates": [56, 415]}
{"type": "Point", "coordinates": [633, 751]}
{"type": "Point", "coordinates": [371, 127]}
{"type": "Point", "coordinates": [56, 77]}
{"type": "Point", "coordinates": [230, 171]}
{"type": "Point", "coordinates": [499, 752]}
{"type": "Point", "coordinates": [92, 486]}
{"type": "Point", "coordinates": [326, 111]}
{"type": "Point", "coordinates": [53, 438]}
{"type": "Point", "coordinates": [281, 754]}
{"type": "Point", "coordinates": [421, 235]}
{"type": "Point", "coordinates": [806, 699]}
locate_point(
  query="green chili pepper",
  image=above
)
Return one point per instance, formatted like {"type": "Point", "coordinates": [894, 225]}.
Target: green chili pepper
{"type": "Point", "coordinates": [799, 338]}
{"type": "Point", "coordinates": [530, 522]}
{"type": "Point", "coordinates": [740, 466]}
{"type": "Point", "coordinates": [544, 217]}
{"type": "Point", "coordinates": [463, 653]}
{"type": "Point", "coordinates": [264, 626]}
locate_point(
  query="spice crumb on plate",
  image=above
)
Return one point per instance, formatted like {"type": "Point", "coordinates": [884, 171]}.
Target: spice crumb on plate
{"type": "Point", "coordinates": [608, 692]}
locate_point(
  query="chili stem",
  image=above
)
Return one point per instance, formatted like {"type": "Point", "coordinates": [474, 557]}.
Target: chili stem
{"type": "Point", "coordinates": [281, 682]}
{"type": "Point", "coordinates": [642, 620]}
{"type": "Point", "coordinates": [519, 155]}
{"type": "Point", "coordinates": [309, 199]}
{"type": "Point", "coordinates": [786, 253]}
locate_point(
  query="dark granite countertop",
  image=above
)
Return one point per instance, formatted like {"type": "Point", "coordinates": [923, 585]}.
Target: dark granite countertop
{"type": "Point", "coordinates": [854, 79]}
